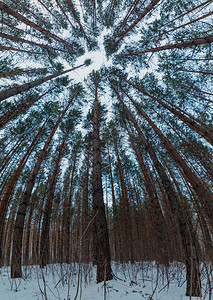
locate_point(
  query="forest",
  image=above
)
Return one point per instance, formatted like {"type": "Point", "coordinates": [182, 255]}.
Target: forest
{"type": "Point", "coordinates": [106, 135]}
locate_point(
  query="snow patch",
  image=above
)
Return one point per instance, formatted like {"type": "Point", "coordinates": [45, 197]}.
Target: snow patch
{"type": "Point", "coordinates": [137, 281]}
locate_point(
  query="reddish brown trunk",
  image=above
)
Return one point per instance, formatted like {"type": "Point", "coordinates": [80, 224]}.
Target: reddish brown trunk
{"type": "Point", "coordinates": [2, 47]}
{"type": "Point", "coordinates": [199, 96]}
{"type": "Point", "coordinates": [203, 160]}
{"type": "Point", "coordinates": [25, 87]}
{"type": "Point", "coordinates": [158, 221]}
{"type": "Point", "coordinates": [13, 73]}
{"type": "Point", "coordinates": [5, 8]}
{"type": "Point", "coordinates": [187, 237]}
{"type": "Point", "coordinates": [15, 177]}
{"type": "Point", "coordinates": [28, 225]}
{"type": "Point", "coordinates": [200, 91]}
{"type": "Point", "coordinates": [19, 3]}
{"type": "Point", "coordinates": [45, 239]}
{"type": "Point", "coordinates": [8, 232]}
{"type": "Point", "coordinates": [127, 230]}
{"type": "Point", "coordinates": [21, 40]}
{"type": "Point", "coordinates": [100, 230]}
{"type": "Point", "coordinates": [130, 10]}
{"type": "Point", "coordinates": [85, 212]}
{"type": "Point", "coordinates": [72, 8]}
{"type": "Point", "coordinates": [141, 16]}
{"type": "Point", "coordinates": [19, 29]}
{"type": "Point", "coordinates": [199, 41]}
{"type": "Point", "coordinates": [201, 190]}
{"type": "Point", "coordinates": [111, 8]}
{"type": "Point", "coordinates": [49, 11]}
{"type": "Point", "coordinates": [182, 15]}
{"type": "Point", "coordinates": [19, 109]}
{"type": "Point", "coordinates": [19, 225]}
{"type": "Point", "coordinates": [205, 131]}
{"type": "Point", "coordinates": [11, 185]}
{"type": "Point", "coordinates": [67, 213]}
{"type": "Point", "coordinates": [194, 71]}
{"type": "Point", "coordinates": [36, 228]}
{"type": "Point", "coordinates": [117, 242]}
{"type": "Point", "coordinates": [145, 249]}
{"type": "Point", "coordinates": [64, 13]}
{"type": "Point", "coordinates": [188, 23]}
{"type": "Point", "coordinates": [11, 153]}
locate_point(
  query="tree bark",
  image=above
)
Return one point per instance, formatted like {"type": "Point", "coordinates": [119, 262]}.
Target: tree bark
{"type": "Point", "coordinates": [205, 131]}
{"type": "Point", "coordinates": [21, 40]}
{"type": "Point", "coordinates": [199, 41]}
{"type": "Point", "coordinates": [188, 23]}
{"type": "Point", "coordinates": [201, 190]}
{"type": "Point", "coordinates": [11, 185]}
{"type": "Point", "coordinates": [196, 7]}
{"type": "Point", "coordinates": [26, 86]}
{"type": "Point", "coordinates": [141, 16]}
{"type": "Point", "coordinates": [45, 230]}
{"type": "Point", "coordinates": [19, 224]}
{"type": "Point", "coordinates": [19, 109]}
{"type": "Point", "coordinates": [2, 47]}
{"type": "Point", "coordinates": [13, 73]}
{"type": "Point", "coordinates": [187, 237]}
{"type": "Point", "coordinates": [100, 230]}
{"type": "Point", "coordinates": [5, 8]}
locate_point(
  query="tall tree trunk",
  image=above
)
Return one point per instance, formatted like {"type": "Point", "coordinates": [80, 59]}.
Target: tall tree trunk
{"type": "Point", "coordinates": [45, 239]}
{"type": "Point", "coordinates": [20, 108]}
{"type": "Point", "coordinates": [5, 8]}
{"type": "Point", "coordinates": [199, 41]}
{"type": "Point", "coordinates": [141, 16]}
{"type": "Point", "coordinates": [203, 160]}
{"type": "Point", "coordinates": [64, 13]}
{"type": "Point", "coordinates": [85, 212]}
{"type": "Point", "coordinates": [188, 23]}
{"type": "Point", "coordinates": [158, 221]}
{"type": "Point", "coordinates": [28, 225]}
{"type": "Point", "coordinates": [187, 238]}
{"type": "Point", "coordinates": [100, 230]}
{"type": "Point", "coordinates": [72, 8]}
{"type": "Point", "coordinates": [21, 40]}
{"type": "Point", "coordinates": [26, 86]}
{"type": "Point", "coordinates": [13, 73]}
{"type": "Point", "coordinates": [50, 12]}
{"type": "Point", "coordinates": [130, 10]}
{"type": "Point", "coordinates": [19, 224]}
{"type": "Point", "coordinates": [201, 189]}
{"type": "Point", "coordinates": [117, 241]}
{"type": "Point", "coordinates": [11, 153]}
{"type": "Point", "coordinates": [127, 222]}
{"type": "Point", "coordinates": [182, 15]}
{"type": "Point", "coordinates": [8, 232]}
{"type": "Point", "coordinates": [2, 47]}
{"type": "Point", "coordinates": [67, 213]}
{"type": "Point", "coordinates": [11, 185]}
{"type": "Point", "coordinates": [205, 131]}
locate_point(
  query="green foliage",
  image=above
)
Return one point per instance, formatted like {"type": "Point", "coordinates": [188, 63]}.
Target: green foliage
{"type": "Point", "coordinates": [63, 81]}
{"type": "Point", "coordinates": [109, 46]}
{"type": "Point", "coordinates": [59, 67]}
{"type": "Point", "coordinates": [87, 62]}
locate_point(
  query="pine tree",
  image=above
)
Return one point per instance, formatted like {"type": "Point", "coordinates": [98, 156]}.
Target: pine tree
{"type": "Point", "coordinates": [133, 188]}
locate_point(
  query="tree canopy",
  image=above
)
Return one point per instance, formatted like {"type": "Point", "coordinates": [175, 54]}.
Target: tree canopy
{"type": "Point", "coordinates": [124, 149]}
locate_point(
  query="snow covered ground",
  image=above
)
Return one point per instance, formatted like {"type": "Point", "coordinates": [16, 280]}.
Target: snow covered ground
{"type": "Point", "coordinates": [68, 282]}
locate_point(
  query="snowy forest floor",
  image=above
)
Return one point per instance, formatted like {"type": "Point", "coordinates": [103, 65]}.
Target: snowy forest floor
{"type": "Point", "coordinates": [145, 280]}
